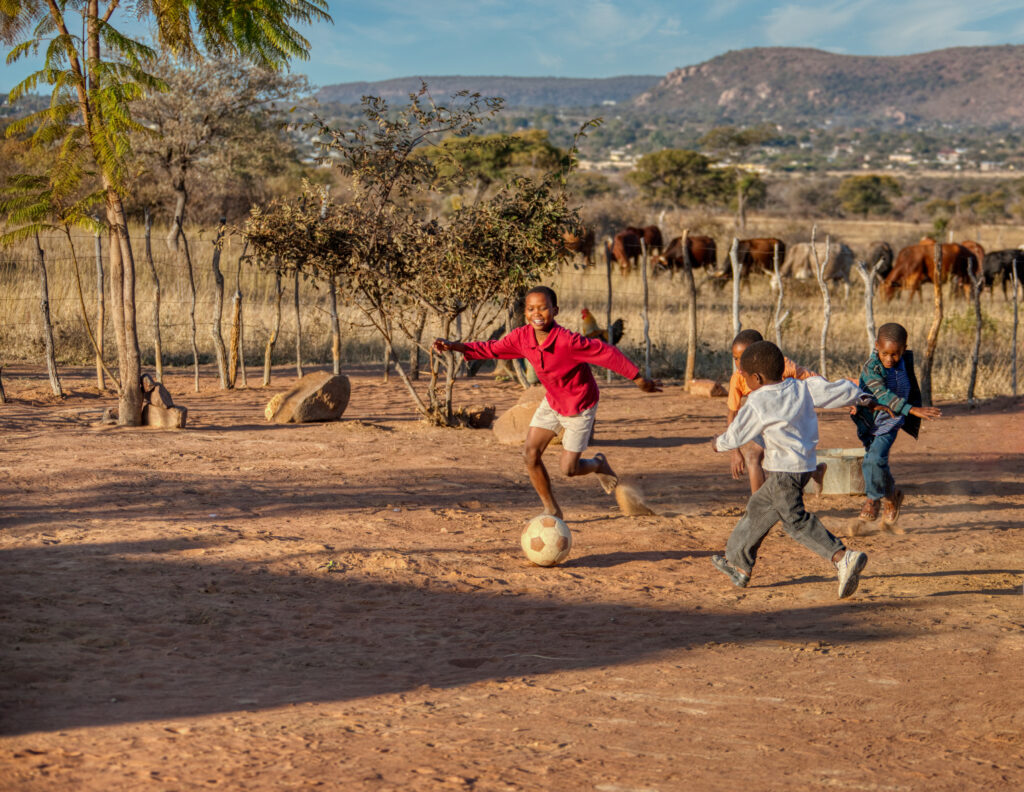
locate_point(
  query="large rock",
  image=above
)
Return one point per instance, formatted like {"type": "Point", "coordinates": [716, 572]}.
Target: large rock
{"type": "Point", "coordinates": [706, 388]}
{"type": "Point", "coordinates": [319, 396]}
{"type": "Point", "coordinates": [513, 424]}
{"type": "Point", "coordinates": [164, 417]}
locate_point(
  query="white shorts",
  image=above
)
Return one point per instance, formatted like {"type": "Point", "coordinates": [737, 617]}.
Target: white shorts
{"type": "Point", "coordinates": [578, 428]}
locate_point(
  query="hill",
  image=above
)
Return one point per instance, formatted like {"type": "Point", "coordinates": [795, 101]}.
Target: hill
{"type": "Point", "coordinates": [981, 86]}
{"type": "Point", "coordinates": [517, 91]}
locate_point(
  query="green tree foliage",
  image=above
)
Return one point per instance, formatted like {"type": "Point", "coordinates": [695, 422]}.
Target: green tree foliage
{"type": "Point", "coordinates": [869, 194]}
{"type": "Point", "coordinates": [393, 261]}
{"type": "Point", "coordinates": [681, 178]}
{"type": "Point", "coordinates": [94, 78]}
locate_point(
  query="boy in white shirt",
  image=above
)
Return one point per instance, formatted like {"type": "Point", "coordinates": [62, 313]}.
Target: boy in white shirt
{"type": "Point", "coordinates": [782, 412]}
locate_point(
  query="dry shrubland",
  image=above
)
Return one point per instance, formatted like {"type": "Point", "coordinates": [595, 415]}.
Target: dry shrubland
{"type": "Point", "coordinates": [20, 337]}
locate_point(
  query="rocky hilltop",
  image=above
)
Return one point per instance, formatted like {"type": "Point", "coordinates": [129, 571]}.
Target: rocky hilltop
{"type": "Point", "coordinates": [981, 86]}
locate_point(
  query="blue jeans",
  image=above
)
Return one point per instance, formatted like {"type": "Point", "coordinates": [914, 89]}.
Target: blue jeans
{"type": "Point", "coordinates": [878, 480]}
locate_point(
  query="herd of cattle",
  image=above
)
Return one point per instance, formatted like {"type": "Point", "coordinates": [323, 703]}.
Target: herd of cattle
{"type": "Point", "coordinates": [905, 271]}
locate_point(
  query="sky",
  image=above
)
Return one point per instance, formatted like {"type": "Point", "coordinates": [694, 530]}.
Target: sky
{"type": "Point", "coordinates": [381, 39]}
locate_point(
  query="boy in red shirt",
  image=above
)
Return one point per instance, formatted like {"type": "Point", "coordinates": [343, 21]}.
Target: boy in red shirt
{"type": "Point", "coordinates": [562, 361]}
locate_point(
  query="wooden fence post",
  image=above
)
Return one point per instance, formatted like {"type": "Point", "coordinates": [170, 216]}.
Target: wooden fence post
{"type": "Point", "coordinates": [933, 332]}
{"type": "Point", "coordinates": [691, 309]}
{"type": "Point", "coordinates": [733, 257]}
{"type": "Point", "coordinates": [779, 317]}
{"type": "Point", "coordinates": [976, 297]}
{"type": "Point", "coordinates": [298, 330]}
{"type": "Point", "coordinates": [158, 355]}
{"type": "Point", "coordinates": [647, 323]}
{"type": "Point", "coordinates": [608, 301]}
{"type": "Point", "coordinates": [3, 393]}
{"type": "Point", "coordinates": [1013, 360]}
{"type": "Point", "coordinates": [268, 351]}
{"type": "Point", "coordinates": [826, 297]}
{"type": "Point", "coordinates": [237, 354]}
{"type": "Point", "coordinates": [218, 308]}
{"type": "Point", "coordinates": [100, 310]}
{"type": "Point", "coordinates": [44, 312]}
{"type": "Point", "coordinates": [869, 299]}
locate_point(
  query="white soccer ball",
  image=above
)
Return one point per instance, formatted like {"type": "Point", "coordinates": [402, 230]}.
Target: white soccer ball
{"type": "Point", "coordinates": [546, 540]}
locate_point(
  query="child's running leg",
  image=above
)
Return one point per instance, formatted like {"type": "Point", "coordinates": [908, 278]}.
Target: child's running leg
{"type": "Point", "coordinates": [537, 440]}
{"type": "Point", "coordinates": [799, 523]}
{"type": "Point", "coordinates": [574, 465]}
{"type": "Point", "coordinates": [753, 527]}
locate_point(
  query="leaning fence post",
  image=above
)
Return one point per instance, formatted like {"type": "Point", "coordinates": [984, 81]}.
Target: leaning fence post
{"type": "Point", "coordinates": [1013, 361]}
{"type": "Point", "coordinates": [47, 325]}
{"type": "Point", "coordinates": [647, 323]}
{"type": "Point", "coordinates": [826, 298]}
{"type": "Point", "coordinates": [779, 316]}
{"type": "Point", "coordinates": [100, 309]}
{"type": "Point", "coordinates": [933, 332]}
{"type": "Point", "coordinates": [976, 297]}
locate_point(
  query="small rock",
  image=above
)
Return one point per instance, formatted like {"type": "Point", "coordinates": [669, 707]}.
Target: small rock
{"type": "Point", "coordinates": [164, 417]}
{"type": "Point", "coordinates": [706, 388]}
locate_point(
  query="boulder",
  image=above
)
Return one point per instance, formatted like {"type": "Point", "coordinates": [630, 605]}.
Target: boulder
{"type": "Point", "coordinates": [706, 388]}
{"type": "Point", "coordinates": [273, 406]}
{"type": "Point", "coordinates": [318, 396]}
{"type": "Point", "coordinates": [164, 417]}
{"type": "Point", "coordinates": [513, 424]}
{"type": "Point", "coordinates": [478, 416]}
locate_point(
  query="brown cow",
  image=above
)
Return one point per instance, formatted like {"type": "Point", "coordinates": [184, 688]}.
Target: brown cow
{"type": "Point", "coordinates": [963, 277]}
{"type": "Point", "coordinates": [753, 255]}
{"type": "Point", "coordinates": [651, 235]}
{"type": "Point", "coordinates": [625, 249]}
{"type": "Point", "coordinates": [702, 250]}
{"type": "Point", "coordinates": [579, 242]}
{"type": "Point", "coordinates": [915, 265]}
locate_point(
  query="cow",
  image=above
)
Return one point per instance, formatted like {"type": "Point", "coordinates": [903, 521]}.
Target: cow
{"type": "Point", "coordinates": [915, 264]}
{"type": "Point", "coordinates": [702, 250]}
{"type": "Point", "coordinates": [963, 277]}
{"type": "Point", "coordinates": [651, 235]}
{"type": "Point", "coordinates": [800, 263]}
{"type": "Point", "coordinates": [997, 264]}
{"type": "Point", "coordinates": [881, 254]}
{"type": "Point", "coordinates": [755, 255]}
{"type": "Point", "coordinates": [624, 249]}
{"type": "Point", "coordinates": [580, 241]}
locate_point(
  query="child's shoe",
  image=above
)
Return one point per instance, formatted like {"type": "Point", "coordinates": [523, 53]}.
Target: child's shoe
{"type": "Point", "coordinates": [738, 577]}
{"type": "Point", "coordinates": [891, 508]}
{"type": "Point", "coordinates": [870, 511]}
{"type": "Point", "coordinates": [849, 567]}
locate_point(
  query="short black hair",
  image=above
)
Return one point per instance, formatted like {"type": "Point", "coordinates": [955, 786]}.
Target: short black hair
{"type": "Point", "coordinates": [764, 358]}
{"type": "Point", "coordinates": [746, 338]}
{"type": "Point", "coordinates": [894, 332]}
{"type": "Point", "coordinates": [548, 292]}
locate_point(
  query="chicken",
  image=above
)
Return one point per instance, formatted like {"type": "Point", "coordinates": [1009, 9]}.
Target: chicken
{"type": "Point", "coordinates": [591, 329]}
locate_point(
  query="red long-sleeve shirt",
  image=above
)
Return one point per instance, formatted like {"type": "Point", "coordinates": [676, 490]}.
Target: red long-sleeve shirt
{"type": "Point", "coordinates": [561, 362]}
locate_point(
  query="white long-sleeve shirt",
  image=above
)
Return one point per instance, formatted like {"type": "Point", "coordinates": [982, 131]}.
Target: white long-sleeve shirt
{"type": "Point", "coordinates": [783, 413]}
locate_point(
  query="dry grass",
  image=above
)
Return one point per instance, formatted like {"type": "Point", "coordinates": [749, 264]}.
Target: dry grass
{"type": "Point", "coordinates": [20, 336]}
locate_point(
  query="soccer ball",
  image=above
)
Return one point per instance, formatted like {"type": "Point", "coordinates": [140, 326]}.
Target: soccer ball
{"type": "Point", "coordinates": [546, 540]}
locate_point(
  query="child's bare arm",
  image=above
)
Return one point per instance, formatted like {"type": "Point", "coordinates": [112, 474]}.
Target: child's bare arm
{"type": "Point", "coordinates": [647, 385]}
{"type": "Point", "coordinates": [928, 413]}
{"type": "Point", "coordinates": [444, 345]}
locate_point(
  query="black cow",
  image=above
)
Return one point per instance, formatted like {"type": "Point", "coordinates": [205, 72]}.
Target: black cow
{"type": "Point", "coordinates": [997, 265]}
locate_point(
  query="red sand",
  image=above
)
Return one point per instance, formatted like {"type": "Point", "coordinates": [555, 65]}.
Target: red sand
{"type": "Point", "coordinates": [246, 606]}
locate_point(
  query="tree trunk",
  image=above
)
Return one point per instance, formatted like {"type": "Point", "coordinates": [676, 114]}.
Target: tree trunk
{"type": "Point", "coordinates": [47, 327]}
{"type": "Point", "coordinates": [869, 300]}
{"type": "Point", "coordinates": [741, 207]}
{"type": "Point", "coordinates": [647, 322]}
{"type": "Point", "coordinates": [298, 329]}
{"type": "Point", "coordinates": [122, 278]}
{"type": "Point", "coordinates": [976, 296]}
{"type": "Point", "coordinates": [100, 311]}
{"type": "Point", "coordinates": [691, 309]}
{"type": "Point", "coordinates": [414, 355]}
{"type": "Point", "coordinates": [933, 332]}
{"type": "Point", "coordinates": [192, 307]}
{"type": "Point", "coordinates": [736, 273]}
{"type": "Point", "coordinates": [218, 309]}
{"type": "Point", "coordinates": [826, 299]}
{"type": "Point", "coordinates": [178, 220]}
{"type": "Point", "coordinates": [332, 285]}
{"type": "Point", "coordinates": [158, 355]}
{"type": "Point", "coordinates": [268, 352]}
{"type": "Point", "coordinates": [236, 352]}
{"type": "Point", "coordinates": [3, 393]}
{"type": "Point", "coordinates": [1013, 360]}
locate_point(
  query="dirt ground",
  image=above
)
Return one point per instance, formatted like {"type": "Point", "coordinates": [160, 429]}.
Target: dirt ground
{"type": "Point", "coordinates": [246, 606]}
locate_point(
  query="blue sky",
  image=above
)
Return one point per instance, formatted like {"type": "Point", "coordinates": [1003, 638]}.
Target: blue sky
{"type": "Point", "coordinates": [381, 39]}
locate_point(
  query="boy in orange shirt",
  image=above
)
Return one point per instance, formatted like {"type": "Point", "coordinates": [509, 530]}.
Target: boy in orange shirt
{"type": "Point", "coordinates": [748, 458]}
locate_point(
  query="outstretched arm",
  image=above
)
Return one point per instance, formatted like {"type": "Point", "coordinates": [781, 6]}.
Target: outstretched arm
{"type": "Point", "coordinates": [504, 347]}
{"type": "Point", "coordinates": [747, 425]}
{"type": "Point", "coordinates": [841, 393]}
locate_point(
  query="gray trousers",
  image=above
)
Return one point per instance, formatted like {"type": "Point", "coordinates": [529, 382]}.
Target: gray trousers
{"type": "Point", "coordinates": [780, 498]}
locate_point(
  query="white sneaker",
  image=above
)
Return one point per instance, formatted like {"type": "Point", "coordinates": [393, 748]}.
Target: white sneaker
{"type": "Point", "coordinates": [849, 567]}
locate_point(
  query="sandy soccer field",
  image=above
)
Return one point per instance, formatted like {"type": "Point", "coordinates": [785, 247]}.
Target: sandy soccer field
{"type": "Point", "coordinates": [243, 606]}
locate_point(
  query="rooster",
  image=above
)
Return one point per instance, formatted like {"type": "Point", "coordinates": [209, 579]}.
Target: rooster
{"type": "Point", "coordinates": [591, 329]}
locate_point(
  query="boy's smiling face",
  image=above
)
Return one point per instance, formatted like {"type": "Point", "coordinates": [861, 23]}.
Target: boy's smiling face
{"type": "Point", "coordinates": [889, 352]}
{"type": "Point", "coordinates": [540, 313]}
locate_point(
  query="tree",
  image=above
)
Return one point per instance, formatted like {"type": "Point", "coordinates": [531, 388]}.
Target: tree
{"type": "Point", "coordinates": [869, 194]}
{"type": "Point", "coordinates": [94, 79]}
{"type": "Point", "coordinates": [681, 178]}
{"type": "Point", "coordinates": [394, 261]}
{"type": "Point", "coordinates": [736, 143]}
